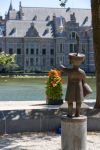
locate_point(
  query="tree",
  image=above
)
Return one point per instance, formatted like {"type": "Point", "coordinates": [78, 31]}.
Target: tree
{"type": "Point", "coordinates": [95, 9]}
{"type": "Point", "coordinates": [7, 61]}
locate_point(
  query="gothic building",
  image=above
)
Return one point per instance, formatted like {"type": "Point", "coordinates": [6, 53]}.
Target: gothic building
{"type": "Point", "coordinates": [43, 37]}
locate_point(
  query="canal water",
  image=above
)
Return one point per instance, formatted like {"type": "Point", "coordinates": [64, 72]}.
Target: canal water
{"type": "Point", "coordinates": [32, 89]}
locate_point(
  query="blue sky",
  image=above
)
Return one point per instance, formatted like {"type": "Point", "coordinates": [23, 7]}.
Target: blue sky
{"type": "Point", "coordinates": [4, 4]}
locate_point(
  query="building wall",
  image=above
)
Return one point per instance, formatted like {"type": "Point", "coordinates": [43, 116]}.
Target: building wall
{"type": "Point", "coordinates": [44, 43]}
{"type": "Point", "coordinates": [39, 54]}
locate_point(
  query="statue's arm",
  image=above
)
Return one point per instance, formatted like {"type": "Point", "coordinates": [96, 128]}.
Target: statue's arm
{"type": "Point", "coordinates": [64, 69]}
{"type": "Point", "coordinates": [84, 77]}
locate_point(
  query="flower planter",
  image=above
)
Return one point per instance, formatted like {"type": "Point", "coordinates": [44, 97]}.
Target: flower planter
{"type": "Point", "coordinates": [54, 102]}
{"type": "Point", "coordinates": [54, 90]}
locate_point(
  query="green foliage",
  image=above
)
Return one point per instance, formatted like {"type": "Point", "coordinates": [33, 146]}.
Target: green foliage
{"type": "Point", "coordinates": [7, 61]}
{"type": "Point", "coordinates": [54, 85]}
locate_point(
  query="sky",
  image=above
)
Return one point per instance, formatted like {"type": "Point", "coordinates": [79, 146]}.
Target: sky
{"type": "Point", "coordinates": [4, 4]}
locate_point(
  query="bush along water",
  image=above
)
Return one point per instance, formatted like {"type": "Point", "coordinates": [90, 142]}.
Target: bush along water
{"type": "Point", "coordinates": [54, 90]}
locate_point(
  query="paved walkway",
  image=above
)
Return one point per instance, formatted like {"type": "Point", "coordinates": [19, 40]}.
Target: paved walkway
{"type": "Point", "coordinates": [42, 141]}
{"type": "Point", "coordinates": [37, 141]}
{"type": "Point", "coordinates": [20, 105]}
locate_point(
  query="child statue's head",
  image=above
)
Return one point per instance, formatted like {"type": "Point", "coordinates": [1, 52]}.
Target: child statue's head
{"type": "Point", "coordinates": [76, 59]}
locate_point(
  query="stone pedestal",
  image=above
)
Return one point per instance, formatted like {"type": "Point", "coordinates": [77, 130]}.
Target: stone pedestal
{"type": "Point", "coordinates": [74, 133]}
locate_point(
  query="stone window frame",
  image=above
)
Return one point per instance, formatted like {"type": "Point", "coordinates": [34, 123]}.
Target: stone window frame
{"type": "Point", "coordinates": [19, 53]}
{"type": "Point", "coordinates": [61, 47]}
{"type": "Point", "coordinates": [27, 62]}
{"type": "Point", "coordinates": [27, 51]}
{"type": "Point", "coordinates": [31, 61]}
{"type": "Point", "coordinates": [10, 51]}
{"type": "Point", "coordinates": [32, 51]}
{"type": "Point", "coordinates": [73, 47]}
{"type": "Point", "coordinates": [37, 51]}
{"type": "Point", "coordinates": [37, 61]}
{"type": "Point", "coordinates": [51, 61]}
{"type": "Point", "coordinates": [44, 61]}
{"type": "Point", "coordinates": [51, 51]}
{"type": "Point", "coordinates": [75, 35]}
{"type": "Point", "coordinates": [43, 51]}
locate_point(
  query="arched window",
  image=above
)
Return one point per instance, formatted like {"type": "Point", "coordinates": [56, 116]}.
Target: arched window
{"type": "Point", "coordinates": [73, 35]}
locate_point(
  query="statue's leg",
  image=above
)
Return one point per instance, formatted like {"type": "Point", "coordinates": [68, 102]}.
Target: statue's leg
{"type": "Point", "coordinates": [78, 107]}
{"type": "Point", "coordinates": [70, 109]}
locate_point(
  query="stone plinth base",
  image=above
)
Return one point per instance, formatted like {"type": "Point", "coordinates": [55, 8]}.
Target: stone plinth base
{"type": "Point", "coordinates": [84, 108]}
{"type": "Point", "coordinates": [74, 133]}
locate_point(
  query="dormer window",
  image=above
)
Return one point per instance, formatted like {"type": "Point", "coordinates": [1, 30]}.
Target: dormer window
{"type": "Point", "coordinates": [48, 18]}
{"type": "Point", "coordinates": [13, 31]}
{"type": "Point", "coordinates": [46, 31]}
{"type": "Point", "coordinates": [35, 18]}
{"type": "Point", "coordinates": [85, 20]}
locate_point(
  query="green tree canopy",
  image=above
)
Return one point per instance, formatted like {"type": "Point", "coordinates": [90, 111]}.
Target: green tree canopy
{"type": "Point", "coordinates": [7, 61]}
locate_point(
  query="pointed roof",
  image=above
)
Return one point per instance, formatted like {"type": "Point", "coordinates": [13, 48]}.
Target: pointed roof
{"type": "Point", "coordinates": [10, 7]}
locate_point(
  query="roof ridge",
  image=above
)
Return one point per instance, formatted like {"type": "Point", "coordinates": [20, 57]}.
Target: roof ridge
{"type": "Point", "coordinates": [58, 8]}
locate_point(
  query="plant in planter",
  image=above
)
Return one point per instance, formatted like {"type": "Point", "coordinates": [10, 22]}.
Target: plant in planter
{"type": "Point", "coordinates": [54, 87]}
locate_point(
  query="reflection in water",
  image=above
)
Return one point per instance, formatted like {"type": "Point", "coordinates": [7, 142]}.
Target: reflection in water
{"type": "Point", "coordinates": [30, 89]}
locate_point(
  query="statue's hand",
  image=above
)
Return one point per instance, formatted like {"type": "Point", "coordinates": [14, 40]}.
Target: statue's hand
{"type": "Point", "coordinates": [62, 66]}
{"type": "Point", "coordinates": [64, 69]}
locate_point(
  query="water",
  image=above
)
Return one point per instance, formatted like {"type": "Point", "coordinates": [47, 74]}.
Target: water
{"type": "Point", "coordinates": [12, 89]}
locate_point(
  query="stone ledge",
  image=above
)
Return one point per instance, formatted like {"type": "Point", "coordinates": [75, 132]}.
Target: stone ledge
{"type": "Point", "coordinates": [31, 117]}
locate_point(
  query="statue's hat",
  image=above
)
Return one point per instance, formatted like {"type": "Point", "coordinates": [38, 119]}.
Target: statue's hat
{"type": "Point", "coordinates": [76, 58]}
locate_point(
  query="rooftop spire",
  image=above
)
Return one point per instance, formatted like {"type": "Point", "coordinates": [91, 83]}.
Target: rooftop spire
{"type": "Point", "coordinates": [10, 7]}
{"type": "Point", "coordinates": [20, 5]}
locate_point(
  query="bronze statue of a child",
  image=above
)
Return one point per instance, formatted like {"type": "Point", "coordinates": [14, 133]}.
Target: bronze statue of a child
{"type": "Point", "coordinates": [76, 80]}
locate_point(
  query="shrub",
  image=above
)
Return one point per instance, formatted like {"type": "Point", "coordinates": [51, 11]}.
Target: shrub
{"type": "Point", "coordinates": [54, 85]}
